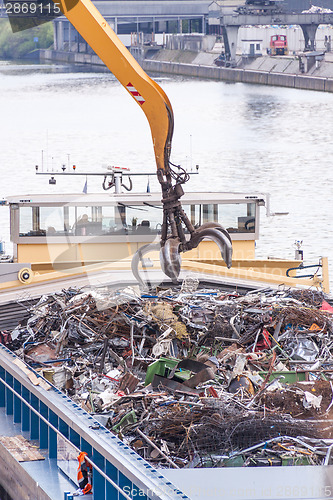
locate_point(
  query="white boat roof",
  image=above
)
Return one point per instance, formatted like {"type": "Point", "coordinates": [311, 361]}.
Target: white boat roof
{"type": "Point", "coordinates": [130, 198]}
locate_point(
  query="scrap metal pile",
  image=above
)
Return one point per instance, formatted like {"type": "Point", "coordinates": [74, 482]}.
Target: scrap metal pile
{"type": "Point", "coordinates": [193, 377]}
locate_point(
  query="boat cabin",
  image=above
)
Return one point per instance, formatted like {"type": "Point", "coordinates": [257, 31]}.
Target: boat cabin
{"type": "Point", "coordinates": [65, 229]}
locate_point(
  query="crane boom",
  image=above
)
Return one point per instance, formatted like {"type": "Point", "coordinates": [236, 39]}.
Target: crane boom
{"type": "Point", "coordinates": [92, 26]}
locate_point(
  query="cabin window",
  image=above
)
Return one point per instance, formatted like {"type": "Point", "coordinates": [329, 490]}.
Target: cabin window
{"type": "Point", "coordinates": [25, 221]}
{"type": "Point", "coordinates": [46, 221]}
{"type": "Point", "coordinates": [238, 218]}
{"type": "Point", "coordinates": [235, 217]}
{"type": "Point", "coordinates": [120, 219]}
{"type": "Point", "coordinates": [143, 219]}
{"type": "Point", "coordinates": [30, 222]}
{"type": "Point", "coordinates": [128, 219]}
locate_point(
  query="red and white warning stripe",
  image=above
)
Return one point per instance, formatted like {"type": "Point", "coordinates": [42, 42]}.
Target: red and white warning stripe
{"type": "Point", "coordinates": [135, 93]}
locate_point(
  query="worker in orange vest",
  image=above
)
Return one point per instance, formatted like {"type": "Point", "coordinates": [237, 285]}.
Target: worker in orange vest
{"type": "Point", "coordinates": [83, 471]}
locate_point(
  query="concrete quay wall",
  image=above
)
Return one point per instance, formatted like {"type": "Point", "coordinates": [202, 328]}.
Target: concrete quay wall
{"type": "Point", "coordinates": [241, 75]}
{"type": "Point", "coordinates": [69, 57]}
{"type": "Point", "coordinates": [201, 71]}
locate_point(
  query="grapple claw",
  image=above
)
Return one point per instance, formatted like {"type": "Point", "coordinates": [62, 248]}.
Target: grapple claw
{"type": "Point", "coordinates": [217, 234]}
{"type": "Point", "coordinates": [176, 226]}
{"type": "Point", "coordinates": [138, 257]}
{"type": "Point", "coordinates": [215, 225]}
{"type": "Point", "coordinates": [170, 258]}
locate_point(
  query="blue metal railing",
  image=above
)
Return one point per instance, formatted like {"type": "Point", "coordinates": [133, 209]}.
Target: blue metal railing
{"type": "Point", "coordinates": [49, 426]}
{"type": "Point", "coordinates": [118, 472]}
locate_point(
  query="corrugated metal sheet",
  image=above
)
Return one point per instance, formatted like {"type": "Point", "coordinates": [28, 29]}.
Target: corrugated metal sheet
{"type": "Point", "coordinates": [13, 313]}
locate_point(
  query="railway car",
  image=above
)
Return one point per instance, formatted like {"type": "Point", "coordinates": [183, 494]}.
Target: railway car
{"type": "Point", "coordinates": [278, 45]}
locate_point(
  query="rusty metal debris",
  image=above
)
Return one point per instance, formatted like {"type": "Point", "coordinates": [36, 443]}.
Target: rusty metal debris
{"type": "Point", "coordinates": [193, 377]}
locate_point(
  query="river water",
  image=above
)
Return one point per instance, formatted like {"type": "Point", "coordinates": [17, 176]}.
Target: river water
{"type": "Point", "coordinates": [244, 137]}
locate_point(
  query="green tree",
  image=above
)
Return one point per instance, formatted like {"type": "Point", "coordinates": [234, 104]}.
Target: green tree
{"type": "Point", "coordinates": [18, 45]}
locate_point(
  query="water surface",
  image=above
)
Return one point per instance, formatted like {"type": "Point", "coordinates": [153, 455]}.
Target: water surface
{"type": "Point", "coordinates": [244, 137]}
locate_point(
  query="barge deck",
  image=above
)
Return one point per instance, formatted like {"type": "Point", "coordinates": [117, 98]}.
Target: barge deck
{"type": "Point", "coordinates": [32, 407]}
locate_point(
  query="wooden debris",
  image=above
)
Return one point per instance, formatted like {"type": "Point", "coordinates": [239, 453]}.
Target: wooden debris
{"type": "Point", "coordinates": [31, 375]}
{"type": "Point", "coordinates": [21, 449]}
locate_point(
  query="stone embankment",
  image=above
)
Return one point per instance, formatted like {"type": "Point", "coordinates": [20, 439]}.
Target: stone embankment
{"type": "Point", "coordinates": [280, 71]}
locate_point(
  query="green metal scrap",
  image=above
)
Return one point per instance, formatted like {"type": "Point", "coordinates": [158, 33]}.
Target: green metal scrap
{"type": "Point", "coordinates": [128, 419]}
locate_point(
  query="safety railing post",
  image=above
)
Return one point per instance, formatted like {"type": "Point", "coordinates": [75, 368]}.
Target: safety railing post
{"type": "Point", "coordinates": [53, 445]}
{"type": "Point", "coordinates": [74, 437]}
{"type": "Point", "coordinates": [63, 428]}
{"type": "Point", "coordinates": [2, 388]}
{"type": "Point", "coordinates": [98, 479]}
{"type": "Point", "coordinates": [126, 484]}
{"type": "Point", "coordinates": [25, 426]}
{"type": "Point", "coordinates": [112, 472]}
{"type": "Point", "coordinates": [9, 395]}
{"type": "Point", "coordinates": [85, 446]}
{"type": "Point", "coordinates": [17, 402]}
{"type": "Point", "coordinates": [34, 427]}
{"type": "Point", "coordinates": [43, 427]}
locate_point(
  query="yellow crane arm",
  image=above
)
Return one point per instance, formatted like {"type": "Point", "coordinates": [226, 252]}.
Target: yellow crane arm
{"type": "Point", "coordinates": [94, 29]}
{"type": "Point", "coordinates": [91, 25]}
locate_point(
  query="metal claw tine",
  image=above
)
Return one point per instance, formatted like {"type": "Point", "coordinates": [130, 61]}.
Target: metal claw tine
{"type": "Point", "coordinates": [218, 236]}
{"type": "Point", "coordinates": [215, 225]}
{"type": "Point", "coordinates": [137, 258]}
{"type": "Point", "coordinates": [170, 258]}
